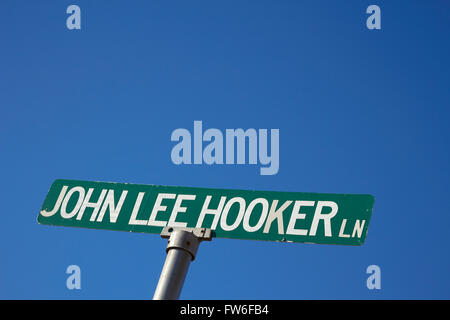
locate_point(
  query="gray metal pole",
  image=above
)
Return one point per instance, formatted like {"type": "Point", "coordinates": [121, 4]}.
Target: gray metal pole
{"type": "Point", "coordinates": [181, 250]}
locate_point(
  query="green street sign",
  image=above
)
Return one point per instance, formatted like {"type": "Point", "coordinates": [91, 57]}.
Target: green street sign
{"type": "Point", "coordinates": [323, 218]}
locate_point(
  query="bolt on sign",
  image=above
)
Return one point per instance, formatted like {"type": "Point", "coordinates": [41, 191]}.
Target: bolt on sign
{"type": "Point", "coordinates": [323, 218]}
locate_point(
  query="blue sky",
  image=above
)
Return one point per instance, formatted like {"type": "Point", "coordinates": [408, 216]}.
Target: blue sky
{"type": "Point", "coordinates": [359, 111]}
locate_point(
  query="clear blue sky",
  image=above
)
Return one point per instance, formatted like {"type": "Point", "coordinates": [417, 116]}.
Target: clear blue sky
{"type": "Point", "coordinates": [359, 111]}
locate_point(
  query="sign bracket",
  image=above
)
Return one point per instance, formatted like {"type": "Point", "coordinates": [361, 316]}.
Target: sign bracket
{"type": "Point", "coordinates": [181, 250]}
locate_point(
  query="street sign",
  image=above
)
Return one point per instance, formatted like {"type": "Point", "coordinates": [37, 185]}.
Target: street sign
{"type": "Point", "coordinates": [323, 218]}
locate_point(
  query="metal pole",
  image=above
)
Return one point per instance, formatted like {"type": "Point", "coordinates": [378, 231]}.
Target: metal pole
{"type": "Point", "coordinates": [181, 250]}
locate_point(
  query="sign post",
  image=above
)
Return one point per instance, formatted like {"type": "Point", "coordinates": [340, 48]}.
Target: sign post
{"type": "Point", "coordinates": [187, 216]}
{"type": "Point", "coordinates": [181, 250]}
